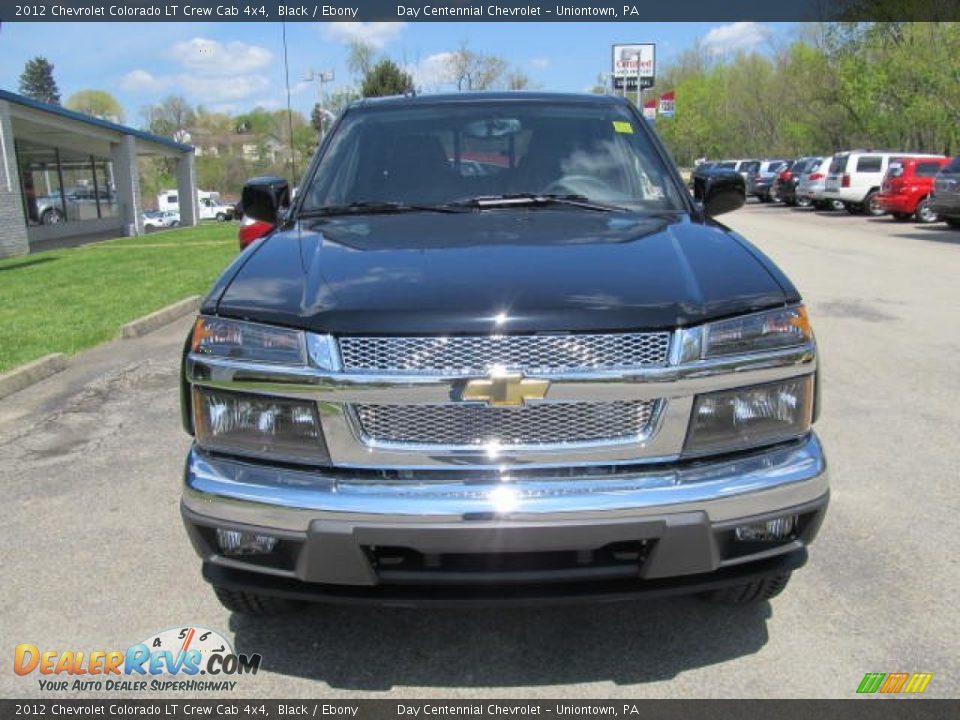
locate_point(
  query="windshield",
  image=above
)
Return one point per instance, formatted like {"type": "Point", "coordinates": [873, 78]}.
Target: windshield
{"type": "Point", "coordinates": [431, 155]}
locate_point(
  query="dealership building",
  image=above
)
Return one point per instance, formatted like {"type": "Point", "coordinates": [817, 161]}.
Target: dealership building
{"type": "Point", "coordinates": [65, 175]}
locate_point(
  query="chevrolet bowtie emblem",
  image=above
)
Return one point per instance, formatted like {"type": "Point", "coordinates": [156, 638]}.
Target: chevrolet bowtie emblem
{"type": "Point", "coordinates": [505, 390]}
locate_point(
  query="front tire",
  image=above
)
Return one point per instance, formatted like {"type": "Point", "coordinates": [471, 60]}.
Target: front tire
{"type": "Point", "coordinates": [221, 217]}
{"type": "Point", "coordinates": [255, 605]}
{"type": "Point", "coordinates": [755, 591]}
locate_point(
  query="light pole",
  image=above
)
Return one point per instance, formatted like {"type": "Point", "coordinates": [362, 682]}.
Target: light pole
{"type": "Point", "coordinates": [321, 77]}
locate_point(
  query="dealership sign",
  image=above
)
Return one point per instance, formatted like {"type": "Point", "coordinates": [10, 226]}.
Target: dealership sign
{"type": "Point", "coordinates": [667, 103]}
{"type": "Point", "coordinates": [634, 66]}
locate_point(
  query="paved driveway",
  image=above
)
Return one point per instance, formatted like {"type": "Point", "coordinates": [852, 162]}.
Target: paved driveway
{"type": "Point", "coordinates": [96, 557]}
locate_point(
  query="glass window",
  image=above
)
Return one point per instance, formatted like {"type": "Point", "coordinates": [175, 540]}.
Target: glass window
{"type": "Point", "coordinates": [953, 166]}
{"type": "Point", "coordinates": [838, 164]}
{"type": "Point", "coordinates": [928, 169]}
{"type": "Point", "coordinates": [61, 185]}
{"type": "Point", "coordinates": [869, 163]}
{"type": "Point", "coordinates": [434, 154]}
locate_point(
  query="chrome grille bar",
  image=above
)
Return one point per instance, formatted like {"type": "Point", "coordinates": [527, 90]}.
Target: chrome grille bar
{"type": "Point", "coordinates": [480, 354]}
{"type": "Point", "coordinates": [472, 425]}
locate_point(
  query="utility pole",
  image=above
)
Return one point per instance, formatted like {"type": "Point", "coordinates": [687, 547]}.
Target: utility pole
{"type": "Point", "coordinates": [321, 77]}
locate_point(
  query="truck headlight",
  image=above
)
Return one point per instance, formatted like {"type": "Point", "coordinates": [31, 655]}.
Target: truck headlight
{"type": "Point", "coordinates": [750, 416]}
{"type": "Point", "coordinates": [771, 330]}
{"type": "Point", "coordinates": [223, 337]}
{"type": "Point", "coordinates": [258, 425]}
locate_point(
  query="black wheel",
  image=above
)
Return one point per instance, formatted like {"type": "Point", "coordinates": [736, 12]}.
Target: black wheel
{"type": "Point", "coordinates": [900, 216]}
{"type": "Point", "coordinates": [804, 202]}
{"type": "Point", "coordinates": [853, 208]}
{"type": "Point", "coordinates": [246, 603]}
{"type": "Point", "coordinates": [835, 205]}
{"type": "Point", "coordinates": [924, 214]}
{"type": "Point", "coordinates": [752, 592]}
{"type": "Point", "coordinates": [872, 206]}
{"type": "Point", "coordinates": [953, 222]}
{"type": "Point", "coordinates": [221, 217]}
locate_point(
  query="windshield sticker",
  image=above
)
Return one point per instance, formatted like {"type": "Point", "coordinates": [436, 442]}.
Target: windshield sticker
{"type": "Point", "coordinates": [623, 126]}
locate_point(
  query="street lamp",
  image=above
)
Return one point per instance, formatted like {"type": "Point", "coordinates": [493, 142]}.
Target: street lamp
{"type": "Point", "coordinates": [321, 77]}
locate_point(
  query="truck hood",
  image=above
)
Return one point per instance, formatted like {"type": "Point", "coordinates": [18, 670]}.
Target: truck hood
{"type": "Point", "coordinates": [510, 270]}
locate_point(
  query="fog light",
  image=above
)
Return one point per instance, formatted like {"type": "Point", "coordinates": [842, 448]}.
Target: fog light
{"type": "Point", "coordinates": [235, 542]}
{"type": "Point", "coordinates": [772, 530]}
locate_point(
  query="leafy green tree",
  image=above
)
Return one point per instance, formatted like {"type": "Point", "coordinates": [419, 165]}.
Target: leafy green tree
{"type": "Point", "coordinates": [386, 78]}
{"type": "Point", "coordinates": [97, 103]}
{"type": "Point", "coordinates": [37, 81]}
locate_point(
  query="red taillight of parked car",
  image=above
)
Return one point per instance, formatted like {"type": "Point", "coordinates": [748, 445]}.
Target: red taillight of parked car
{"type": "Point", "coordinates": [785, 176]}
{"type": "Point", "coordinates": [251, 230]}
{"type": "Point", "coordinates": [815, 176]}
{"type": "Point", "coordinates": [845, 182]}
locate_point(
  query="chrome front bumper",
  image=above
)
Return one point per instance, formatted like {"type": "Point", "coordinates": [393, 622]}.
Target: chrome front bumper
{"type": "Point", "coordinates": [331, 526]}
{"type": "Point", "coordinates": [231, 492]}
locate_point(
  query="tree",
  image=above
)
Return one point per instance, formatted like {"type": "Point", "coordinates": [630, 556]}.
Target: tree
{"type": "Point", "coordinates": [172, 117]}
{"type": "Point", "coordinates": [97, 103]}
{"type": "Point", "coordinates": [360, 58]}
{"type": "Point", "coordinates": [37, 81]}
{"type": "Point", "coordinates": [333, 104]}
{"type": "Point", "coordinates": [386, 78]}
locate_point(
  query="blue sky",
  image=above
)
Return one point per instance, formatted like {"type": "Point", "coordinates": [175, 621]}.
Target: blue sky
{"type": "Point", "coordinates": [237, 66]}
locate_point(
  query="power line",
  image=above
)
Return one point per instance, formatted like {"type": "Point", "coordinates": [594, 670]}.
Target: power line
{"type": "Point", "coordinates": [286, 70]}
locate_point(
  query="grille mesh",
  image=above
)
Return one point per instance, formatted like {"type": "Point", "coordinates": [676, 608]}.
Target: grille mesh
{"type": "Point", "coordinates": [470, 425]}
{"type": "Point", "coordinates": [478, 355]}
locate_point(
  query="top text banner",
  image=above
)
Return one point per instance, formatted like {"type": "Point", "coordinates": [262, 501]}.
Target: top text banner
{"type": "Point", "coordinates": [476, 11]}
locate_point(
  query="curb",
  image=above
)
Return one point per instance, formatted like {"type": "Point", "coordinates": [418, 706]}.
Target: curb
{"type": "Point", "coordinates": [163, 316]}
{"type": "Point", "coordinates": [33, 372]}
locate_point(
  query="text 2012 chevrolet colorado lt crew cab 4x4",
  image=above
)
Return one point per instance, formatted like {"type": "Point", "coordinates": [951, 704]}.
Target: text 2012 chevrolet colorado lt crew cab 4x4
{"type": "Point", "coordinates": [495, 351]}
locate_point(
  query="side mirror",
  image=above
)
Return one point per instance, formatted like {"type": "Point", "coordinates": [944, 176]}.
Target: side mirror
{"type": "Point", "coordinates": [264, 197]}
{"type": "Point", "coordinates": [720, 191]}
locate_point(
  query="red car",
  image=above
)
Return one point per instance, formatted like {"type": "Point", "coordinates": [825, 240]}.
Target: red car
{"type": "Point", "coordinates": [251, 230]}
{"type": "Point", "coordinates": [907, 186]}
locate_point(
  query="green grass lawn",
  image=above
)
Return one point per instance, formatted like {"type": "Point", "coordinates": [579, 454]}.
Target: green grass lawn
{"type": "Point", "coordinates": [68, 300]}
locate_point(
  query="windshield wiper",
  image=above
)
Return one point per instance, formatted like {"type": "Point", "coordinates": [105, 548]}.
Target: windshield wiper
{"type": "Point", "coordinates": [536, 200]}
{"type": "Point", "coordinates": [372, 207]}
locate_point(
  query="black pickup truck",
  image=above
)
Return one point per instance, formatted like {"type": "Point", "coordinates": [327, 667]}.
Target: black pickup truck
{"type": "Point", "coordinates": [494, 351]}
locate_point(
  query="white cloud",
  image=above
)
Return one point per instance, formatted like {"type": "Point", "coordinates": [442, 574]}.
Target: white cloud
{"type": "Point", "coordinates": [138, 80]}
{"type": "Point", "coordinates": [432, 72]}
{"type": "Point", "coordinates": [215, 59]}
{"type": "Point", "coordinates": [208, 72]}
{"type": "Point", "coordinates": [736, 36]}
{"type": "Point", "coordinates": [376, 34]}
{"type": "Point", "coordinates": [540, 62]}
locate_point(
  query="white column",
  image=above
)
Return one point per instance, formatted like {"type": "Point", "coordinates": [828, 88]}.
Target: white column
{"type": "Point", "coordinates": [187, 189]}
{"type": "Point", "coordinates": [126, 174]}
{"type": "Point", "coordinates": [13, 224]}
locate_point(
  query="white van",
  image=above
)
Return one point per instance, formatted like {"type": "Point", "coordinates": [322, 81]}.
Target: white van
{"type": "Point", "coordinates": [209, 205]}
{"type": "Point", "coordinates": [855, 177]}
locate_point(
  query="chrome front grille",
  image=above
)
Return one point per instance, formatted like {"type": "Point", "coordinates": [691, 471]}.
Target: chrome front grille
{"type": "Point", "coordinates": [479, 354]}
{"type": "Point", "coordinates": [465, 425]}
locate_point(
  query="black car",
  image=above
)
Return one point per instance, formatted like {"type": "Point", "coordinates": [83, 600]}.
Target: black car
{"type": "Point", "coordinates": [785, 187]}
{"type": "Point", "coordinates": [945, 200]}
{"type": "Point", "coordinates": [557, 379]}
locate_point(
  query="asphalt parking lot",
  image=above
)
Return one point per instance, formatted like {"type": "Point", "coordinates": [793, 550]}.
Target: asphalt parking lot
{"type": "Point", "coordinates": [96, 557]}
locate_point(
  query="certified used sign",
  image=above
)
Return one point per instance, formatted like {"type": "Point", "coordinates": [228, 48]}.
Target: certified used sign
{"type": "Point", "coordinates": [633, 64]}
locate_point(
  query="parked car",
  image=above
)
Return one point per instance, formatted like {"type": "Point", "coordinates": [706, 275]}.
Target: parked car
{"type": "Point", "coordinates": [209, 205]}
{"type": "Point", "coordinates": [744, 167]}
{"type": "Point", "coordinates": [907, 186]}
{"type": "Point", "coordinates": [251, 230]}
{"type": "Point", "coordinates": [387, 394]}
{"type": "Point", "coordinates": [160, 220]}
{"type": "Point", "coordinates": [788, 179]}
{"type": "Point", "coordinates": [855, 178]}
{"type": "Point", "coordinates": [811, 189]}
{"type": "Point", "coordinates": [945, 201]}
{"type": "Point", "coordinates": [760, 181]}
